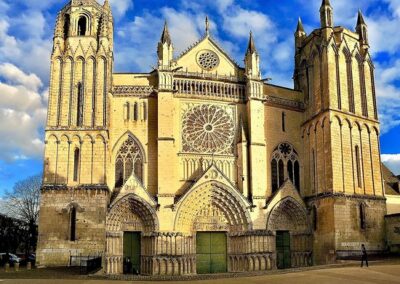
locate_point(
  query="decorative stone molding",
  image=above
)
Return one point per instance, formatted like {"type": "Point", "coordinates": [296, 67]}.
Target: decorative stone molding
{"type": "Point", "coordinates": [134, 91]}
{"type": "Point", "coordinates": [271, 100]}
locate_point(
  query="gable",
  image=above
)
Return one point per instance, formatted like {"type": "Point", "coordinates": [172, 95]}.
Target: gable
{"type": "Point", "coordinates": [207, 52]}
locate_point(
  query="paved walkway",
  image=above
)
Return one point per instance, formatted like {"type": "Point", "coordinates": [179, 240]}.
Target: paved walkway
{"type": "Point", "coordinates": [383, 273]}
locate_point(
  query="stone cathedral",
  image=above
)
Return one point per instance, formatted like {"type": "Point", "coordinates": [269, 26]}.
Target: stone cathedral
{"type": "Point", "coordinates": [201, 165]}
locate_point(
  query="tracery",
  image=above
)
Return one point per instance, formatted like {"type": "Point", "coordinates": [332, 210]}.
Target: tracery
{"type": "Point", "coordinates": [129, 161]}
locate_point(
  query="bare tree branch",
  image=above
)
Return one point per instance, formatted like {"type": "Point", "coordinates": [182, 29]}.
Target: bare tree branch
{"type": "Point", "coordinates": [24, 201]}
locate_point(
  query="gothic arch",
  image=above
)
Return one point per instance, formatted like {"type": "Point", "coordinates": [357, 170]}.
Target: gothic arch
{"type": "Point", "coordinates": [285, 163]}
{"type": "Point", "coordinates": [132, 213]}
{"type": "Point", "coordinates": [123, 138]}
{"type": "Point", "coordinates": [288, 215]}
{"type": "Point", "coordinates": [129, 160]}
{"type": "Point", "coordinates": [212, 201]}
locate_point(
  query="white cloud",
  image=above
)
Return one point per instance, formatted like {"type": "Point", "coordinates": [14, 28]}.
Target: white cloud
{"type": "Point", "coordinates": [15, 75]}
{"type": "Point", "coordinates": [120, 7]}
{"type": "Point", "coordinates": [392, 161]}
{"type": "Point", "coordinates": [388, 95]}
{"type": "Point", "coordinates": [239, 22]}
{"type": "Point", "coordinates": [22, 113]}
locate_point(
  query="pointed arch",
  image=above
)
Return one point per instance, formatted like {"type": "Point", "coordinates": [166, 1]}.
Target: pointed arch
{"type": "Point", "coordinates": [288, 215]}
{"type": "Point", "coordinates": [129, 160]}
{"type": "Point", "coordinates": [285, 163]}
{"type": "Point", "coordinates": [212, 199]}
{"type": "Point", "coordinates": [132, 211]}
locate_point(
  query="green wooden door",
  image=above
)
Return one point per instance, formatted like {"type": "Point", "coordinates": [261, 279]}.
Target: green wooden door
{"type": "Point", "coordinates": [211, 252]}
{"type": "Point", "coordinates": [131, 252]}
{"type": "Point", "coordinates": [283, 249]}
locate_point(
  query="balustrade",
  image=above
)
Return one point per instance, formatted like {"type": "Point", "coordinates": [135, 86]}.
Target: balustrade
{"type": "Point", "coordinates": [220, 90]}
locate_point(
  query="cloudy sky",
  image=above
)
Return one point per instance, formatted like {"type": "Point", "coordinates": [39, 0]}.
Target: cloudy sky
{"type": "Point", "coordinates": [26, 30]}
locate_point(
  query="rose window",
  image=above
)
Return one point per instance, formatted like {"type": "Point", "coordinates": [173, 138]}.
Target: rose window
{"type": "Point", "coordinates": [208, 60]}
{"type": "Point", "coordinates": [208, 129]}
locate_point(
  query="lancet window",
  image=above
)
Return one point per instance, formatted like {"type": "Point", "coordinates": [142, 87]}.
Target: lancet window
{"type": "Point", "coordinates": [129, 161]}
{"type": "Point", "coordinates": [285, 165]}
{"type": "Point", "coordinates": [82, 26]}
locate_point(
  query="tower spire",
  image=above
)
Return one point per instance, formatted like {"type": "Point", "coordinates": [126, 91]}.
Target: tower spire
{"type": "Point", "coordinates": [360, 19]}
{"type": "Point", "coordinates": [252, 46]}
{"type": "Point", "coordinates": [165, 37]}
{"type": "Point", "coordinates": [362, 31]}
{"type": "Point", "coordinates": [207, 26]}
{"type": "Point", "coordinates": [326, 14]}
{"type": "Point", "coordinates": [252, 60]}
{"type": "Point", "coordinates": [165, 49]}
{"type": "Point", "coordinates": [300, 27]}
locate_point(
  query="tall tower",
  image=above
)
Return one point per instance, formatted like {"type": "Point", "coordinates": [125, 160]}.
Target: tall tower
{"type": "Point", "coordinates": [77, 133]}
{"type": "Point", "coordinates": [81, 68]}
{"type": "Point", "coordinates": [340, 136]}
{"type": "Point", "coordinates": [255, 118]}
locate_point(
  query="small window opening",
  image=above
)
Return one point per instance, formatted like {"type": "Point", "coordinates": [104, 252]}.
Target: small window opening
{"type": "Point", "coordinates": [362, 217]}
{"type": "Point", "coordinates": [283, 122]}
{"type": "Point", "coordinates": [66, 26]}
{"type": "Point", "coordinates": [80, 105]}
{"type": "Point", "coordinates": [82, 23]}
{"type": "Point", "coordinates": [315, 218]}
{"type": "Point", "coordinates": [73, 224]}
{"type": "Point", "coordinates": [358, 166]}
{"type": "Point", "coordinates": [76, 164]}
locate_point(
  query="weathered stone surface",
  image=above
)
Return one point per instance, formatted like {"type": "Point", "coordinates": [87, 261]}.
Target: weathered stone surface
{"type": "Point", "coordinates": [201, 145]}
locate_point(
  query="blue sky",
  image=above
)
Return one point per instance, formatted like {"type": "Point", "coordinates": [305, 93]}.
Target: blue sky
{"type": "Point", "coordinates": [26, 30]}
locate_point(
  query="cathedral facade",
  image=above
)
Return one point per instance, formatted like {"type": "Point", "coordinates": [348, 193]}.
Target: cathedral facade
{"type": "Point", "coordinates": [201, 165]}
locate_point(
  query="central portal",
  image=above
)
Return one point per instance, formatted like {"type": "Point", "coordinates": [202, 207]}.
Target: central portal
{"type": "Point", "coordinates": [283, 249]}
{"type": "Point", "coordinates": [131, 252]}
{"type": "Point", "coordinates": [211, 252]}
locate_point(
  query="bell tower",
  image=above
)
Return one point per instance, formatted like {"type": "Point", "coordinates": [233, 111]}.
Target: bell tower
{"type": "Point", "coordinates": [81, 72]}
{"type": "Point", "coordinates": [81, 66]}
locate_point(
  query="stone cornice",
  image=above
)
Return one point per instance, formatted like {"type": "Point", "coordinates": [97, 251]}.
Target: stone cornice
{"type": "Point", "coordinates": [133, 91]}
{"type": "Point", "coordinates": [342, 195]}
{"type": "Point", "coordinates": [61, 187]}
{"type": "Point", "coordinates": [276, 101]}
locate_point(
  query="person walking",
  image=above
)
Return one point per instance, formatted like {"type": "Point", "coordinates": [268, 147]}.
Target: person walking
{"type": "Point", "coordinates": [364, 256]}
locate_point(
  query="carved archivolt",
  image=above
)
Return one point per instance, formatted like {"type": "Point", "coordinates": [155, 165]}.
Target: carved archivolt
{"type": "Point", "coordinates": [132, 213]}
{"type": "Point", "coordinates": [288, 215]}
{"type": "Point", "coordinates": [212, 207]}
{"type": "Point", "coordinates": [208, 129]}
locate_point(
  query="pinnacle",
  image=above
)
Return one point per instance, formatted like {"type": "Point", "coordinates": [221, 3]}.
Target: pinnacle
{"type": "Point", "coordinates": [165, 37]}
{"type": "Point", "coordinates": [300, 27]}
{"type": "Point", "coordinates": [252, 46]}
{"type": "Point", "coordinates": [207, 26]}
{"type": "Point", "coordinates": [326, 3]}
{"type": "Point", "coordinates": [360, 20]}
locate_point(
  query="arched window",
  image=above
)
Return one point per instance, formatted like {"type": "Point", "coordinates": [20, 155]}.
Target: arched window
{"type": "Point", "coordinates": [362, 216]}
{"type": "Point", "coordinates": [82, 26]}
{"type": "Point", "coordinates": [129, 161]}
{"type": "Point", "coordinates": [281, 172]}
{"type": "Point", "coordinates": [297, 175]}
{"type": "Point", "coordinates": [364, 103]}
{"type": "Point", "coordinates": [365, 33]}
{"type": "Point", "coordinates": [285, 164]}
{"type": "Point", "coordinates": [67, 20]}
{"type": "Point", "coordinates": [358, 166]}
{"type": "Point", "coordinates": [72, 224]}
{"type": "Point", "coordinates": [79, 121]}
{"type": "Point", "coordinates": [76, 164]}
{"type": "Point", "coordinates": [350, 85]}
{"type": "Point", "coordinates": [274, 175]}
{"type": "Point", "coordinates": [314, 171]}
{"type": "Point", "coordinates": [283, 122]}
{"type": "Point", "coordinates": [136, 112]}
